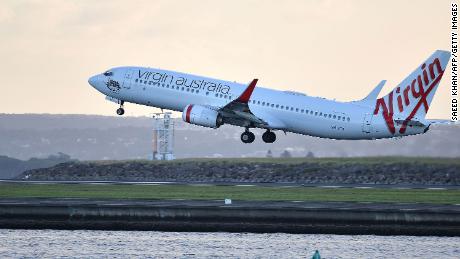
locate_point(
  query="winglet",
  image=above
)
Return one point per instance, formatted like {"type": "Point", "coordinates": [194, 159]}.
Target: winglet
{"type": "Point", "coordinates": [244, 97]}
{"type": "Point", "coordinates": [372, 96]}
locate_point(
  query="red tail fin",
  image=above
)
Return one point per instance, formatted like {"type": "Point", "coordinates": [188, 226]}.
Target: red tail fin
{"type": "Point", "coordinates": [412, 97]}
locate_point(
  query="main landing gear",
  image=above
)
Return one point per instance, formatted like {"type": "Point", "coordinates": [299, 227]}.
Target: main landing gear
{"type": "Point", "coordinates": [247, 136]}
{"type": "Point", "coordinates": [121, 111]}
{"type": "Point", "coordinates": [267, 137]}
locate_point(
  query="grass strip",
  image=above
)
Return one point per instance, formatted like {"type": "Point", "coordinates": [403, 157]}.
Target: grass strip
{"type": "Point", "coordinates": [257, 193]}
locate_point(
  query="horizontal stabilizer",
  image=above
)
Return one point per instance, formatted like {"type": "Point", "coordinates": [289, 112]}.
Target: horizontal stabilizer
{"type": "Point", "coordinates": [413, 123]}
{"type": "Point", "coordinates": [440, 121]}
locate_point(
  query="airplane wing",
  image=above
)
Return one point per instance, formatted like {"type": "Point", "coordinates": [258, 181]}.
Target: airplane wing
{"type": "Point", "coordinates": [237, 112]}
{"type": "Point", "coordinates": [374, 94]}
{"type": "Point", "coordinates": [369, 100]}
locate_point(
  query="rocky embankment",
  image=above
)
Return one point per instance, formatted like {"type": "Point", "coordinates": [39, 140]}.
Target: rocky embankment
{"type": "Point", "coordinates": [352, 171]}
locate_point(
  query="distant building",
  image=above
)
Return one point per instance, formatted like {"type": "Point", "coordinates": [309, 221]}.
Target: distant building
{"type": "Point", "coordinates": [286, 154]}
{"type": "Point", "coordinates": [269, 154]}
{"type": "Point", "coordinates": [163, 137]}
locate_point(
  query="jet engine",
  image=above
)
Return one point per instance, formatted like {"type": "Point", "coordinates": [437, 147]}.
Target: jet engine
{"type": "Point", "coordinates": [202, 116]}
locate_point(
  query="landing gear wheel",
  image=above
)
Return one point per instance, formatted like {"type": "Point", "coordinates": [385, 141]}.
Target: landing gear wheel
{"type": "Point", "coordinates": [120, 111]}
{"type": "Point", "coordinates": [269, 137]}
{"type": "Point", "coordinates": [247, 137]}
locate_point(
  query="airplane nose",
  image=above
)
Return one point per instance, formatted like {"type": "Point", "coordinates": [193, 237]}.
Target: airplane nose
{"type": "Point", "coordinates": [92, 81]}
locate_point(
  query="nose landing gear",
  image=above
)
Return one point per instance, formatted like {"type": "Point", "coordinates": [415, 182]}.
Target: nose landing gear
{"type": "Point", "coordinates": [121, 111]}
{"type": "Point", "coordinates": [247, 137]}
{"type": "Point", "coordinates": [269, 137]}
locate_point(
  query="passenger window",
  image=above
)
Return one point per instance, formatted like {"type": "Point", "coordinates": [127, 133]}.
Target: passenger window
{"type": "Point", "coordinates": [263, 103]}
{"type": "Point", "coordinates": [311, 112]}
{"type": "Point", "coordinates": [316, 113]}
{"type": "Point", "coordinates": [207, 93]}
{"type": "Point", "coordinates": [282, 106]}
{"type": "Point", "coordinates": [297, 109]}
{"type": "Point", "coordinates": [188, 89]}
{"type": "Point", "coordinates": [193, 90]}
{"type": "Point", "coordinates": [329, 116]}
{"type": "Point", "coordinates": [277, 106]}
{"type": "Point", "coordinates": [348, 119]}
{"type": "Point", "coordinates": [339, 117]}
{"type": "Point", "coordinates": [301, 111]}
{"type": "Point", "coordinates": [273, 105]}
{"type": "Point", "coordinates": [136, 80]}
{"type": "Point", "coordinates": [320, 114]}
{"type": "Point", "coordinates": [334, 117]}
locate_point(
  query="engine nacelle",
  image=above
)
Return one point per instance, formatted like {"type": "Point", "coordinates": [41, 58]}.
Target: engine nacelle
{"type": "Point", "coordinates": [202, 116]}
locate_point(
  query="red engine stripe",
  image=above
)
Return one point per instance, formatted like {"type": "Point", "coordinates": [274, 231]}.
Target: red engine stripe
{"type": "Point", "coordinates": [187, 113]}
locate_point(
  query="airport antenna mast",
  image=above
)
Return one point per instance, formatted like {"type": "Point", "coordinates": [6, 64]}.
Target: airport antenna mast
{"type": "Point", "coordinates": [163, 136]}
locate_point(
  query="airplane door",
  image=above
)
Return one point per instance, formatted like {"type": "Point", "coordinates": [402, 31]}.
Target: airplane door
{"type": "Point", "coordinates": [367, 123]}
{"type": "Point", "coordinates": [127, 79]}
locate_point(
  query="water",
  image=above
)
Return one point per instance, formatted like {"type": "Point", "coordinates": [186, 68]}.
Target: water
{"type": "Point", "coordinates": [132, 244]}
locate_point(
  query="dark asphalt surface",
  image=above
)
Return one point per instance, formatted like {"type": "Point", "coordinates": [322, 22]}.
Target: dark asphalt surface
{"type": "Point", "coordinates": [365, 206]}
{"type": "Point", "coordinates": [243, 184]}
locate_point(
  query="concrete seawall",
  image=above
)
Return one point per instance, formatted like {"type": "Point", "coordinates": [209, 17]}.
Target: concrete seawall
{"type": "Point", "coordinates": [241, 216]}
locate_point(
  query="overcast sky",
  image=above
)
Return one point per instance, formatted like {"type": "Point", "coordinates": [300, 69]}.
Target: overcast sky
{"type": "Point", "coordinates": [334, 49]}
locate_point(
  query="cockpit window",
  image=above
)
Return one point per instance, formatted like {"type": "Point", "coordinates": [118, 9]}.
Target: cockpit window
{"type": "Point", "coordinates": [108, 73]}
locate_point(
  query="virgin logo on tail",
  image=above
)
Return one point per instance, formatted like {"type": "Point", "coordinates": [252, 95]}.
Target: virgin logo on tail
{"type": "Point", "coordinates": [417, 91]}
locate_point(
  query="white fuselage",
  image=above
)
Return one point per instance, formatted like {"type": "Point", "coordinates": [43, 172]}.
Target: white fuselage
{"type": "Point", "coordinates": [286, 111]}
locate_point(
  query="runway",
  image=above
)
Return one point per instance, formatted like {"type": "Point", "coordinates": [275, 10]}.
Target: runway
{"type": "Point", "coordinates": [235, 204]}
{"type": "Point", "coordinates": [249, 184]}
{"type": "Point", "coordinates": [368, 206]}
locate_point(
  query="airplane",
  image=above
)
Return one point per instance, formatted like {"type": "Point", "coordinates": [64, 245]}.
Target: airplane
{"type": "Point", "coordinates": [210, 102]}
